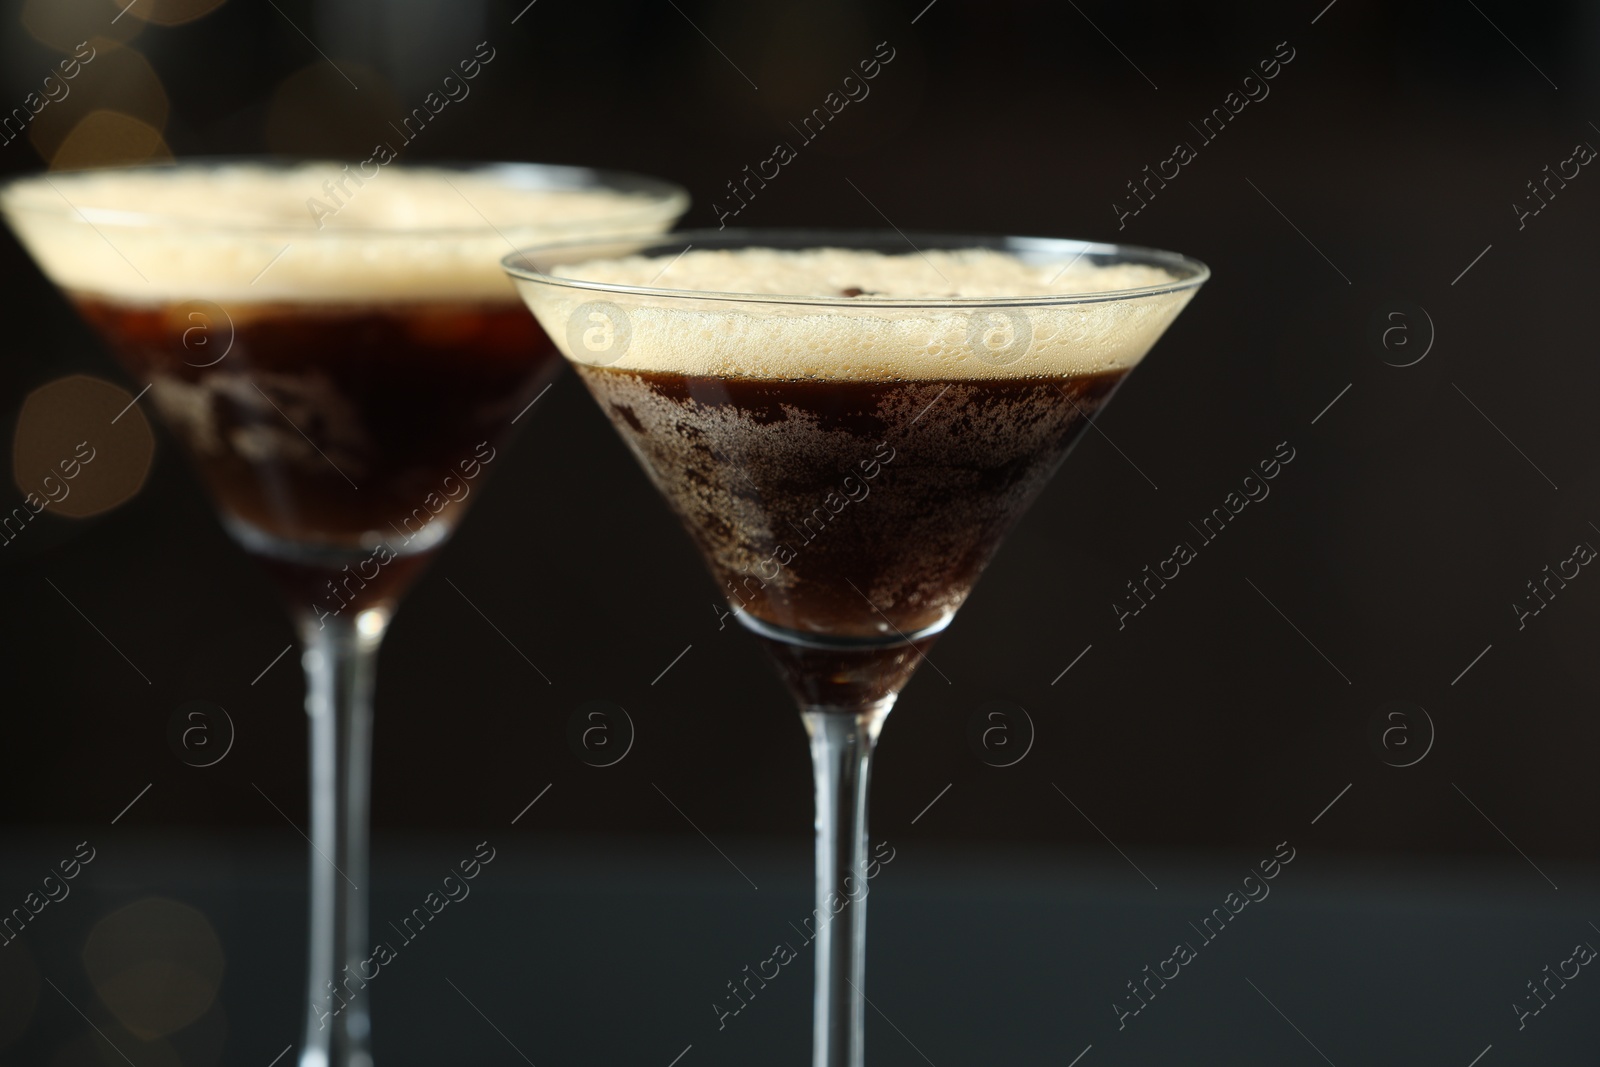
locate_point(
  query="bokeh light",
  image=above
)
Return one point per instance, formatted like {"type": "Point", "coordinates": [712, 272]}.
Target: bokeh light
{"type": "Point", "coordinates": [62, 24]}
{"type": "Point", "coordinates": [156, 965]}
{"type": "Point", "coordinates": [172, 12]}
{"type": "Point", "coordinates": [117, 79]}
{"type": "Point", "coordinates": [70, 453]}
{"type": "Point", "coordinates": [110, 139]}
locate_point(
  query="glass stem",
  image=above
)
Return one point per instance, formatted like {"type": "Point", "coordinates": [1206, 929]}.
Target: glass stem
{"type": "Point", "coordinates": [842, 740]}
{"type": "Point", "coordinates": [339, 656]}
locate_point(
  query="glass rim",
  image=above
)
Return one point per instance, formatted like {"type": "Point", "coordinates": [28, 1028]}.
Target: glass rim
{"type": "Point", "coordinates": [667, 198]}
{"type": "Point", "coordinates": [1189, 273]}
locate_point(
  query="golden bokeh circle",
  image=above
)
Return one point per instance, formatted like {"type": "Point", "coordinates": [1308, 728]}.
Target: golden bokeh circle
{"type": "Point", "coordinates": [172, 12]}
{"type": "Point", "coordinates": [82, 447]}
{"type": "Point", "coordinates": [118, 79]}
{"type": "Point", "coordinates": [110, 139]}
{"type": "Point", "coordinates": [60, 24]}
{"type": "Point", "coordinates": [156, 965]}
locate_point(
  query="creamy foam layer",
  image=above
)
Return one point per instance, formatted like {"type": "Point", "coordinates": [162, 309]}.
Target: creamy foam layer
{"type": "Point", "coordinates": [686, 335]}
{"type": "Point", "coordinates": [831, 272]}
{"type": "Point", "coordinates": [312, 232]}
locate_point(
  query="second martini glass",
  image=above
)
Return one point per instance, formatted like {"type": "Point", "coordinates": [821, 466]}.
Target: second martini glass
{"type": "Point", "coordinates": [341, 355]}
{"type": "Point", "coordinates": [848, 424]}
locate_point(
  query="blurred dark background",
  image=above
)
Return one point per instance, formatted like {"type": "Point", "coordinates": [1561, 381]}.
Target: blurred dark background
{"type": "Point", "coordinates": [1379, 177]}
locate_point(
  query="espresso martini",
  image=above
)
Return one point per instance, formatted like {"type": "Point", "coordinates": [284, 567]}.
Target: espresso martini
{"type": "Point", "coordinates": [341, 377]}
{"type": "Point", "coordinates": [847, 424]}
{"type": "Point", "coordinates": [848, 475]}
{"type": "Point", "coordinates": [340, 382]}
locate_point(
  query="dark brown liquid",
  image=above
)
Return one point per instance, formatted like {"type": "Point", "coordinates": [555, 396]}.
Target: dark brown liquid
{"type": "Point", "coordinates": [848, 509]}
{"type": "Point", "coordinates": [326, 429]}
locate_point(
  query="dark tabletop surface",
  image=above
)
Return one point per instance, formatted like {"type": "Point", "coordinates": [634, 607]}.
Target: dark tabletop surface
{"type": "Point", "coordinates": [563, 952]}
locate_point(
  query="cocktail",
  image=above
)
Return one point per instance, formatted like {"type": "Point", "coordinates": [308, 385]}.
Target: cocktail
{"type": "Point", "coordinates": [848, 424]}
{"type": "Point", "coordinates": [341, 355]}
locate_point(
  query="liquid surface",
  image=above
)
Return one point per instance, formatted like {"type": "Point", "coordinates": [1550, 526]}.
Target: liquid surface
{"type": "Point", "coordinates": [829, 337]}
{"type": "Point", "coordinates": [312, 232]}
{"type": "Point", "coordinates": [937, 274]}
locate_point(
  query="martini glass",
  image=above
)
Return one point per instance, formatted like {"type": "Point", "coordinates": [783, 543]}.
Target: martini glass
{"type": "Point", "coordinates": [848, 424]}
{"type": "Point", "coordinates": [342, 357]}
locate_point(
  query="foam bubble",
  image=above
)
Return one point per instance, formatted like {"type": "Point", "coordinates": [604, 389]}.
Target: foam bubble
{"type": "Point", "coordinates": [311, 232]}
{"type": "Point", "coordinates": [697, 336]}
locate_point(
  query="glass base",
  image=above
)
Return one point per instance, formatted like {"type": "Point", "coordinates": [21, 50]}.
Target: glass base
{"type": "Point", "coordinates": [828, 671]}
{"type": "Point", "coordinates": [839, 643]}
